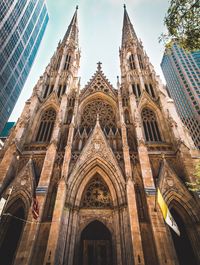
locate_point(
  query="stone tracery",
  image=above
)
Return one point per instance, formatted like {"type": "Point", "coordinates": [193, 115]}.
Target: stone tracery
{"type": "Point", "coordinates": [97, 194]}
{"type": "Point", "coordinates": [105, 111]}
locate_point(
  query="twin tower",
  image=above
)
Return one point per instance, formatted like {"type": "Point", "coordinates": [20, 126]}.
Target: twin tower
{"type": "Point", "coordinates": [93, 158]}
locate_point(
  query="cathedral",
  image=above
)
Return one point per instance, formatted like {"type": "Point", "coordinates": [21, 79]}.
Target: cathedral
{"type": "Point", "coordinates": [91, 160]}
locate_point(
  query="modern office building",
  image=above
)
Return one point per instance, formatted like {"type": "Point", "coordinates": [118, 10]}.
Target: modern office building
{"type": "Point", "coordinates": [22, 26]}
{"type": "Point", "coordinates": [5, 133]}
{"type": "Point", "coordinates": [182, 73]}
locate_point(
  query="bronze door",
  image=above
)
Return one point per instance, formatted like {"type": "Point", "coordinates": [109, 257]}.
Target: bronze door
{"type": "Point", "coordinates": [96, 252]}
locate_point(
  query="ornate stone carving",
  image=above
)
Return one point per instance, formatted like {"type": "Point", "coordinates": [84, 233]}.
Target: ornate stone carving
{"type": "Point", "coordinates": [105, 111]}
{"type": "Point", "coordinates": [97, 194]}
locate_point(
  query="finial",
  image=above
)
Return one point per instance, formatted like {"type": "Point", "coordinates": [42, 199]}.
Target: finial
{"type": "Point", "coordinates": [118, 85]}
{"type": "Point", "coordinates": [98, 117]}
{"type": "Point", "coordinates": [124, 6]}
{"type": "Point", "coordinates": [99, 66]}
{"type": "Point", "coordinates": [77, 7]}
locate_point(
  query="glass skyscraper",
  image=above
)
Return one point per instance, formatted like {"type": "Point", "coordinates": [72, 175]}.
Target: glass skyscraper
{"type": "Point", "coordinates": [22, 26]}
{"type": "Point", "coordinates": [182, 73]}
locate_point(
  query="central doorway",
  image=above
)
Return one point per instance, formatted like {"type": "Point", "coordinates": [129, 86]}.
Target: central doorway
{"type": "Point", "coordinates": [96, 245]}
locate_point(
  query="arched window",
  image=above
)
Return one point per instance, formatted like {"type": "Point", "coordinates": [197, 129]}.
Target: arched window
{"type": "Point", "coordinates": [140, 61]}
{"type": "Point", "coordinates": [69, 116]}
{"type": "Point", "coordinates": [61, 90]}
{"type": "Point", "coordinates": [150, 126]}
{"type": "Point", "coordinates": [58, 62]}
{"type": "Point", "coordinates": [47, 91]}
{"type": "Point", "coordinates": [136, 90]}
{"type": "Point", "coordinates": [67, 62]}
{"type": "Point", "coordinates": [150, 90]}
{"type": "Point", "coordinates": [46, 126]}
{"type": "Point", "coordinates": [126, 116]}
{"type": "Point", "coordinates": [131, 62]}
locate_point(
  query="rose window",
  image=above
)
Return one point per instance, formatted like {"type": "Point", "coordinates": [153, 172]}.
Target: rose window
{"type": "Point", "coordinates": [105, 111]}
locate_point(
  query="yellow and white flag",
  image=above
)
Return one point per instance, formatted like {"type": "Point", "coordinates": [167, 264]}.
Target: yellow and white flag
{"type": "Point", "coordinates": [166, 213]}
{"type": "Point", "coordinates": [2, 204]}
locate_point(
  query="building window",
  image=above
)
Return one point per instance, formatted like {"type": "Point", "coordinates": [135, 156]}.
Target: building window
{"type": "Point", "coordinates": [150, 90]}
{"type": "Point", "coordinates": [47, 91]}
{"type": "Point", "coordinates": [61, 90]}
{"type": "Point", "coordinates": [69, 116]}
{"type": "Point", "coordinates": [150, 126]}
{"type": "Point", "coordinates": [131, 62]}
{"type": "Point", "coordinates": [126, 117]}
{"type": "Point", "coordinates": [136, 90]}
{"type": "Point", "coordinates": [67, 62]}
{"type": "Point", "coordinates": [46, 126]}
{"type": "Point", "coordinates": [140, 61]}
{"type": "Point", "coordinates": [58, 62]}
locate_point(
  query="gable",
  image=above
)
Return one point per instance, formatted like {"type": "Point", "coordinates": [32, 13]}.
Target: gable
{"type": "Point", "coordinates": [96, 149]}
{"type": "Point", "coordinates": [98, 83]}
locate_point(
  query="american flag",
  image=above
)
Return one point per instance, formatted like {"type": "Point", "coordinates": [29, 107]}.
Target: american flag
{"type": "Point", "coordinates": [35, 208]}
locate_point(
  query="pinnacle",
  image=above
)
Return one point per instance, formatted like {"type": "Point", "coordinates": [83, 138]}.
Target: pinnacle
{"type": "Point", "coordinates": [128, 31]}
{"type": "Point", "coordinates": [72, 31]}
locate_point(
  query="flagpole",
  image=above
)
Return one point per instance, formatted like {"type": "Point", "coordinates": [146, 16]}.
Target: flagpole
{"type": "Point", "coordinates": [155, 203]}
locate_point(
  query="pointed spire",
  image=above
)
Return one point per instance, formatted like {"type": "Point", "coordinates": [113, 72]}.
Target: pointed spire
{"type": "Point", "coordinates": [72, 31]}
{"type": "Point", "coordinates": [128, 32]}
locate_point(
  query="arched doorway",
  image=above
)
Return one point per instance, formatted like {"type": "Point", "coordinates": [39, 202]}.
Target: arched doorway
{"type": "Point", "coordinates": [10, 230]}
{"type": "Point", "coordinates": [182, 244]}
{"type": "Point", "coordinates": [96, 245]}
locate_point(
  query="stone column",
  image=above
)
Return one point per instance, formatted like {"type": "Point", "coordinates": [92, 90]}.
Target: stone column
{"type": "Point", "coordinates": [131, 200]}
{"type": "Point", "coordinates": [56, 223]}
{"type": "Point", "coordinates": [54, 235]}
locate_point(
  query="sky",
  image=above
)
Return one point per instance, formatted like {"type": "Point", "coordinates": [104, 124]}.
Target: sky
{"type": "Point", "coordinates": [100, 31]}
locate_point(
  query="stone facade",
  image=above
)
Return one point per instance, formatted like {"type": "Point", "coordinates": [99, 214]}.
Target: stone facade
{"type": "Point", "coordinates": [94, 157]}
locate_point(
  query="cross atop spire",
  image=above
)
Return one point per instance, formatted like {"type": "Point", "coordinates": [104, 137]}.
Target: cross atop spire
{"type": "Point", "coordinates": [99, 66]}
{"type": "Point", "coordinates": [128, 32]}
{"type": "Point", "coordinates": [72, 31]}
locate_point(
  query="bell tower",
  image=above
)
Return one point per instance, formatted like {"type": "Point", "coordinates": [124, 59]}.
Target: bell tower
{"type": "Point", "coordinates": [153, 123]}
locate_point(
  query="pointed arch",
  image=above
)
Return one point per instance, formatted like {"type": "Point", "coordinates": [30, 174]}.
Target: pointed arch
{"type": "Point", "coordinates": [94, 237]}
{"type": "Point", "coordinates": [11, 229]}
{"type": "Point", "coordinates": [176, 194]}
{"type": "Point", "coordinates": [46, 126]}
{"type": "Point", "coordinates": [79, 180]}
{"type": "Point", "coordinates": [146, 101]}
{"type": "Point", "coordinates": [150, 126]}
{"type": "Point", "coordinates": [96, 194]}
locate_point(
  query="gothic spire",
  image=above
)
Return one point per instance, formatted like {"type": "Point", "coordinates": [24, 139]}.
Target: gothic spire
{"type": "Point", "coordinates": [128, 32]}
{"type": "Point", "coordinates": [72, 32]}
